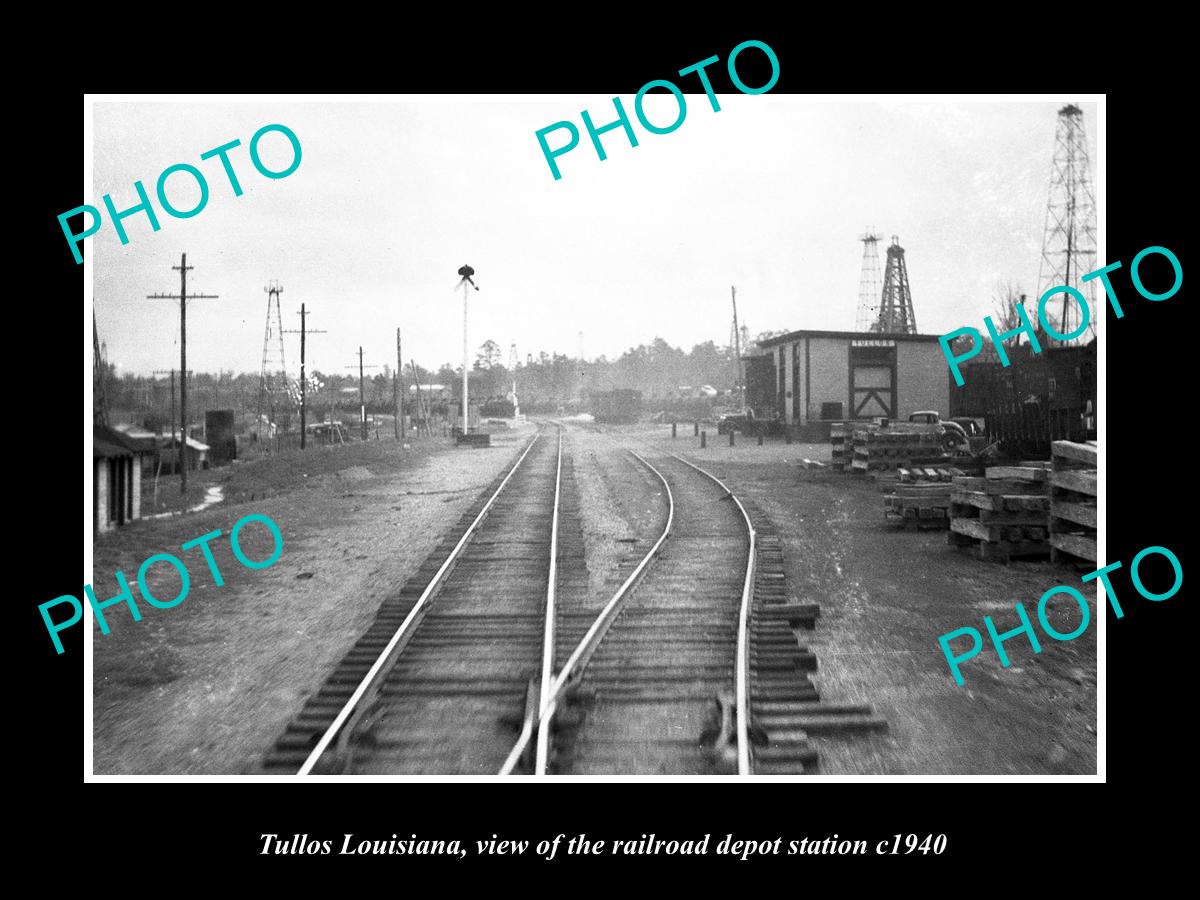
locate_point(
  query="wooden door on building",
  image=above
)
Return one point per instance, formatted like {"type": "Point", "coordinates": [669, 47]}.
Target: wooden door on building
{"type": "Point", "coordinates": [781, 395]}
{"type": "Point", "coordinates": [873, 379]}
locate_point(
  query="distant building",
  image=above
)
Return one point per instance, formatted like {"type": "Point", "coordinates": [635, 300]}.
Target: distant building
{"type": "Point", "coordinates": [155, 448]}
{"type": "Point", "coordinates": [1036, 399]}
{"type": "Point", "coordinates": [168, 448]}
{"type": "Point", "coordinates": [760, 385]}
{"type": "Point", "coordinates": [221, 434]}
{"type": "Point", "coordinates": [431, 392]}
{"type": "Point", "coordinates": [117, 478]}
{"type": "Point", "coordinates": [142, 440]}
{"type": "Point", "coordinates": [824, 376]}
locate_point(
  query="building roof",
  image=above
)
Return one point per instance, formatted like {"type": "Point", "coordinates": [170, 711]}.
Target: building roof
{"type": "Point", "coordinates": [846, 335]}
{"type": "Point", "coordinates": [169, 440]}
{"type": "Point", "coordinates": [137, 437]}
{"type": "Point", "coordinates": [108, 442]}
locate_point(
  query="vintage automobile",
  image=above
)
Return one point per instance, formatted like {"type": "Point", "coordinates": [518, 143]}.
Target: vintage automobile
{"type": "Point", "coordinates": [743, 422]}
{"type": "Point", "coordinates": [953, 434]}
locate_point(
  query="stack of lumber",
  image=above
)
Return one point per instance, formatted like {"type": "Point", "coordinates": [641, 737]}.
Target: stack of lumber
{"type": "Point", "coordinates": [887, 481]}
{"type": "Point", "coordinates": [919, 505]}
{"type": "Point", "coordinates": [1003, 515]}
{"type": "Point", "coordinates": [1073, 502]}
{"type": "Point", "coordinates": [851, 433]}
{"type": "Point", "coordinates": [893, 448]}
{"type": "Point", "coordinates": [840, 438]}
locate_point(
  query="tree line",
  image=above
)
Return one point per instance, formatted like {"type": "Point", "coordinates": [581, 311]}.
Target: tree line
{"type": "Point", "coordinates": [658, 370]}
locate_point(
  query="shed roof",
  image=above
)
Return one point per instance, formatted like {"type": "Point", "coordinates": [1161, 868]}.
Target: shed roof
{"type": "Point", "coordinates": [137, 437]}
{"type": "Point", "coordinates": [108, 442]}
{"type": "Point", "coordinates": [845, 335]}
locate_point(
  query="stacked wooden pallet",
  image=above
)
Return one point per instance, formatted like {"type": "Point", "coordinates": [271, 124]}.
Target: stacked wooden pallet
{"type": "Point", "coordinates": [888, 480]}
{"type": "Point", "coordinates": [1003, 515]}
{"type": "Point", "coordinates": [874, 450]}
{"type": "Point", "coordinates": [919, 505]}
{"type": "Point", "coordinates": [850, 434]}
{"type": "Point", "coordinates": [841, 437]}
{"type": "Point", "coordinates": [1073, 501]}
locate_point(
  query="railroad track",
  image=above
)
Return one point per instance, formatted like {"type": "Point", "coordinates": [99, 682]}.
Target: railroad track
{"type": "Point", "coordinates": [657, 694]}
{"type": "Point", "coordinates": [496, 633]}
{"type": "Point", "coordinates": [663, 692]}
{"type": "Point", "coordinates": [454, 655]}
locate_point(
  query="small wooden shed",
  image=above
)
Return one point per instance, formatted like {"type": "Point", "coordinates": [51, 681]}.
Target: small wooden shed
{"type": "Point", "coordinates": [117, 478]}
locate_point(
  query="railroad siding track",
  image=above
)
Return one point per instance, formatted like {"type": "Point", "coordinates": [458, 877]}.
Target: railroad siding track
{"type": "Point", "coordinates": [648, 692]}
{"type": "Point", "coordinates": [443, 705]}
{"type": "Point", "coordinates": [785, 706]}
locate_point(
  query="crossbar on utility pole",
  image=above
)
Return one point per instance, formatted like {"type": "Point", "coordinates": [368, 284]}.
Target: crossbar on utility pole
{"type": "Point", "coordinates": [303, 386]}
{"type": "Point", "coordinates": [183, 268]}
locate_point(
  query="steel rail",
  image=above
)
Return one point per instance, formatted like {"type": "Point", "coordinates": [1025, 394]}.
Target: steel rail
{"type": "Point", "coordinates": [543, 738]}
{"type": "Point", "coordinates": [579, 657]}
{"type": "Point", "coordinates": [413, 616]}
{"type": "Point", "coordinates": [743, 644]}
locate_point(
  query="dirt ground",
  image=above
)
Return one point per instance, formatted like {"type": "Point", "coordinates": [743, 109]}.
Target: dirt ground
{"type": "Point", "coordinates": [886, 596]}
{"type": "Point", "coordinates": [206, 686]}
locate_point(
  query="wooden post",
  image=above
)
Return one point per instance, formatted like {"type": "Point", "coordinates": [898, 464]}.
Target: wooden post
{"type": "Point", "coordinates": [398, 390]}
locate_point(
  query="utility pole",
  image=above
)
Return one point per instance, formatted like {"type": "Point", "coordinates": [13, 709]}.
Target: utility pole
{"type": "Point", "coordinates": [183, 298]}
{"type": "Point", "coordinates": [362, 394]}
{"type": "Point", "coordinates": [422, 406]}
{"type": "Point", "coordinates": [737, 354]}
{"type": "Point", "coordinates": [170, 372]}
{"type": "Point", "coordinates": [303, 386]}
{"type": "Point", "coordinates": [398, 390]}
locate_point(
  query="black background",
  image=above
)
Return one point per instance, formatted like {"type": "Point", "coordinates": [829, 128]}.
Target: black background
{"type": "Point", "coordinates": [991, 828]}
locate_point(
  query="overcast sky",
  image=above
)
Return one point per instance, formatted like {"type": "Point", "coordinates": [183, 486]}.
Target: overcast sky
{"type": "Point", "coordinates": [770, 194]}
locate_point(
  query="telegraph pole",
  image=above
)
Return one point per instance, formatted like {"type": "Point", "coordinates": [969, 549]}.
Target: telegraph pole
{"type": "Point", "coordinates": [398, 390]}
{"type": "Point", "coordinates": [170, 372]}
{"type": "Point", "coordinates": [183, 298]}
{"type": "Point", "coordinates": [737, 354]}
{"type": "Point", "coordinates": [303, 386]}
{"type": "Point", "coordinates": [362, 394]}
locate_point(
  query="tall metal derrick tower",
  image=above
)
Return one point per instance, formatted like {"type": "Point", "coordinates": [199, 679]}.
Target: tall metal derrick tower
{"type": "Point", "coordinates": [870, 287]}
{"type": "Point", "coordinates": [272, 383]}
{"type": "Point", "coordinates": [896, 314]}
{"type": "Point", "coordinates": [1069, 241]}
